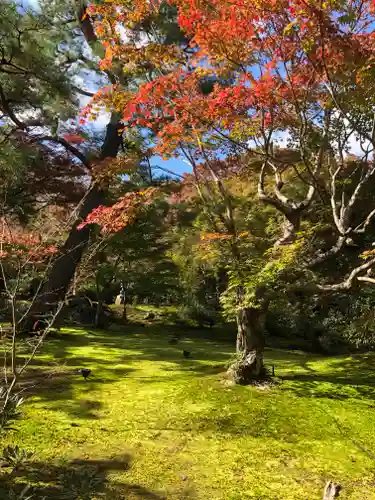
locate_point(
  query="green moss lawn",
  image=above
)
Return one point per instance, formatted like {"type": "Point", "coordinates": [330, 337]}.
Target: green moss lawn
{"type": "Point", "coordinates": [150, 424]}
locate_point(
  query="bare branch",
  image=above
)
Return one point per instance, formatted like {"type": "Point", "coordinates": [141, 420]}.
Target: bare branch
{"type": "Point", "coordinates": [336, 217]}
{"type": "Point", "coordinates": [361, 228]}
{"type": "Point", "coordinates": [163, 169]}
{"type": "Point", "coordinates": [72, 149]}
{"type": "Point", "coordinates": [278, 186]}
{"type": "Point", "coordinates": [322, 257]}
{"type": "Point", "coordinates": [349, 282]}
{"type": "Point", "coordinates": [228, 221]}
{"type": "Point", "coordinates": [366, 279]}
{"type": "Point", "coordinates": [82, 91]}
{"type": "Point", "coordinates": [276, 203]}
{"type": "Point", "coordinates": [359, 188]}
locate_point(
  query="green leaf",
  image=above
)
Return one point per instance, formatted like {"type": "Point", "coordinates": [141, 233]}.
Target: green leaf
{"type": "Point", "coordinates": [290, 27]}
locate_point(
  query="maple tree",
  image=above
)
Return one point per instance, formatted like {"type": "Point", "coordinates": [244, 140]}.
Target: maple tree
{"type": "Point", "coordinates": [296, 70]}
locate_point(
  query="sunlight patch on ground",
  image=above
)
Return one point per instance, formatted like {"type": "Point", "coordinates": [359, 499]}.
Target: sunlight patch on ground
{"type": "Point", "coordinates": [154, 425]}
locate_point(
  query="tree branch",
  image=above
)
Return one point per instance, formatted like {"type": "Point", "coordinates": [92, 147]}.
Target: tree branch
{"type": "Point", "coordinates": [276, 203]}
{"type": "Point", "coordinates": [349, 208]}
{"type": "Point", "coordinates": [322, 257]}
{"type": "Point", "coordinates": [163, 169]}
{"type": "Point", "coordinates": [9, 111]}
{"type": "Point", "coordinates": [73, 150]}
{"type": "Point", "coordinates": [366, 279]}
{"type": "Point", "coordinates": [82, 91]}
{"type": "Point", "coordinates": [348, 283]}
{"type": "Point", "coordinates": [361, 228]}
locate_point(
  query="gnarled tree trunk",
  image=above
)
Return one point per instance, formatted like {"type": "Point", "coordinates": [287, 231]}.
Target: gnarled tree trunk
{"type": "Point", "coordinates": [291, 225]}
{"type": "Point", "coordinates": [331, 491]}
{"type": "Point", "coordinates": [249, 364]}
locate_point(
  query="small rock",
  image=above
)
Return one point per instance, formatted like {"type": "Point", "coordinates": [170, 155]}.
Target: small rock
{"type": "Point", "coordinates": [183, 478]}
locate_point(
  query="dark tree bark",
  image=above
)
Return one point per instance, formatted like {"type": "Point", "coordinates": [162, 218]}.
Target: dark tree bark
{"type": "Point", "coordinates": [124, 310]}
{"type": "Point", "coordinates": [86, 23]}
{"type": "Point", "coordinates": [331, 491]}
{"type": "Point", "coordinates": [64, 267]}
{"type": "Point", "coordinates": [249, 365]}
{"type": "Point", "coordinates": [99, 305]}
{"type": "Point", "coordinates": [292, 222]}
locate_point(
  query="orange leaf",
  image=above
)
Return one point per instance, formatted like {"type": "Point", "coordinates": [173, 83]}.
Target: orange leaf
{"type": "Point", "coordinates": [74, 138]}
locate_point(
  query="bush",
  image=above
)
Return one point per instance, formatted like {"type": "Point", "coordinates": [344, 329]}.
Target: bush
{"type": "Point", "coordinates": [199, 315]}
{"type": "Point", "coordinates": [83, 311]}
{"type": "Point", "coordinates": [329, 324]}
{"type": "Point", "coordinates": [355, 325]}
{"type": "Point", "coordinates": [294, 325]}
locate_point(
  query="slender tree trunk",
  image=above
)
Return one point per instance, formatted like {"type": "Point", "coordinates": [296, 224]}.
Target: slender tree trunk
{"type": "Point", "coordinates": [65, 264]}
{"type": "Point", "coordinates": [249, 364]}
{"type": "Point", "coordinates": [99, 294]}
{"type": "Point", "coordinates": [98, 314]}
{"type": "Point", "coordinates": [124, 313]}
{"type": "Point", "coordinates": [124, 310]}
{"type": "Point", "coordinates": [74, 287]}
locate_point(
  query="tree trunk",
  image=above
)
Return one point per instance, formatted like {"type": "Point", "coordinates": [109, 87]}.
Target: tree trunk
{"type": "Point", "coordinates": [124, 310]}
{"type": "Point", "coordinates": [74, 286]}
{"type": "Point", "coordinates": [291, 226]}
{"type": "Point", "coordinates": [249, 364]}
{"type": "Point", "coordinates": [98, 314]}
{"type": "Point", "coordinates": [70, 255]}
{"type": "Point", "coordinates": [99, 294]}
{"type": "Point", "coordinates": [331, 491]}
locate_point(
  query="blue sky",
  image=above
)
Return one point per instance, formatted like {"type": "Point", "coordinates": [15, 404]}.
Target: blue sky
{"type": "Point", "coordinates": [34, 4]}
{"type": "Point", "coordinates": [174, 164]}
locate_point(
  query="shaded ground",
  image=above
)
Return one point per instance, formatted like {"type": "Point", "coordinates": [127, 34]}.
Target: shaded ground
{"type": "Point", "coordinates": [151, 424]}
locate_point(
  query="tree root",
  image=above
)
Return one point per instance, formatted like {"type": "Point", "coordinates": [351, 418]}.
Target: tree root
{"type": "Point", "coordinates": [249, 370]}
{"type": "Point", "coordinates": [331, 491]}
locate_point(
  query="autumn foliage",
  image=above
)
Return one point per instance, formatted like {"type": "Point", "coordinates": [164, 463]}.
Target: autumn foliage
{"type": "Point", "coordinates": [285, 60]}
{"type": "Point", "coordinates": [22, 246]}
{"type": "Point", "coordinates": [113, 219]}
